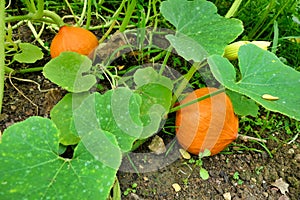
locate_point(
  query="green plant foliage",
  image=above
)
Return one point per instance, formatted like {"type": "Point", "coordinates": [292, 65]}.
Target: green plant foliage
{"type": "Point", "coordinates": [67, 70]}
{"type": "Point", "coordinates": [117, 112]}
{"type": "Point", "coordinates": [242, 105]}
{"type": "Point", "coordinates": [62, 115]}
{"type": "Point", "coordinates": [203, 173]}
{"type": "Point", "coordinates": [29, 53]}
{"type": "Point", "coordinates": [156, 93]}
{"type": "Point", "coordinates": [261, 73]}
{"type": "Point", "coordinates": [32, 169]}
{"type": "Point", "coordinates": [199, 28]}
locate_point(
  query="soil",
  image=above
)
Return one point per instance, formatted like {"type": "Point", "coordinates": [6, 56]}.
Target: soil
{"type": "Point", "coordinates": [257, 171]}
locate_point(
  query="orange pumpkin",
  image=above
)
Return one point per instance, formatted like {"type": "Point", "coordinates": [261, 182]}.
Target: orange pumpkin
{"type": "Point", "coordinates": [74, 39]}
{"type": "Point", "coordinates": [208, 124]}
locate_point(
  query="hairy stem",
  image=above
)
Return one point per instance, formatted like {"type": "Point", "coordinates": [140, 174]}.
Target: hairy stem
{"type": "Point", "coordinates": [40, 8]}
{"type": "Point", "coordinates": [197, 100]}
{"type": "Point", "coordinates": [186, 79]}
{"type": "Point", "coordinates": [128, 15]}
{"type": "Point", "coordinates": [88, 14]}
{"type": "Point", "coordinates": [31, 16]}
{"type": "Point", "coordinates": [2, 51]}
{"type": "Point", "coordinates": [234, 7]}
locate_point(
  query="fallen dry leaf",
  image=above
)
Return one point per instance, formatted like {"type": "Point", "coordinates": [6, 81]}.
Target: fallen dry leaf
{"type": "Point", "coordinates": [281, 185]}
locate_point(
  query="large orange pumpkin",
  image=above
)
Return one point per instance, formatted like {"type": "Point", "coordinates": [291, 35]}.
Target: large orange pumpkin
{"type": "Point", "coordinates": [74, 39]}
{"type": "Point", "coordinates": [208, 124]}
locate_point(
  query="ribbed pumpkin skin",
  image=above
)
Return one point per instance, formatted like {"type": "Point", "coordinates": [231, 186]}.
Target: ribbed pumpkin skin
{"type": "Point", "coordinates": [74, 39]}
{"type": "Point", "coordinates": [209, 124]}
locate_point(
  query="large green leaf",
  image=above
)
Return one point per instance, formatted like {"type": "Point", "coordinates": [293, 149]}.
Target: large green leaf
{"type": "Point", "coordinates": [243, 105]}
{"type": "Point", "coordinates": [261, 73]}
{"type": "Point", "coordinates": [156, 93]}
{"type": "Point", "coordinates": [200, 30]}
{"type": "Point", "coordinates": [29, 53]}
{"type": "Point", "coordinates": [117, 112]}
{"type": "Point", "coordinates": [70, 71]}
{"type": "Point", "coordinates": [62, 115]}
{"type": "Point", "coordinates": [32, 169]}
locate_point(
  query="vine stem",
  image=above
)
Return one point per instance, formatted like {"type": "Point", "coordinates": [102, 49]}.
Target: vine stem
{"type": "Point", "coordinates": [187, 77]}
{"type": "Point", "coordinates": [233, 8]}
{"type": "Point", "coordinates": [197, 100]}
{"type": "Point", "coordinates": [112, 25]}
{"type": "Point", "coordinates": [88, 14]}
{"type": "Point", "coordinates": [36, 14]}
{"type": "Point", "coordinates": [2, 51]}
{"type": "Point", "coordinates": [128, 15]}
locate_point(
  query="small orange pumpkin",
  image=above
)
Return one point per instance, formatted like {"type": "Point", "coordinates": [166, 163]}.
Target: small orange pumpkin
{"type": "Point", "coordinates": [208, 124]}
{"type": "Point", "coordinates": [74, 39]}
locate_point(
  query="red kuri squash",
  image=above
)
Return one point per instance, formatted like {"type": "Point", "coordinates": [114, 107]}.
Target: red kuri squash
{"type": "Point", "coordinates": [208, 124]}
{"type": "Point", "coordinates": [74, 39]}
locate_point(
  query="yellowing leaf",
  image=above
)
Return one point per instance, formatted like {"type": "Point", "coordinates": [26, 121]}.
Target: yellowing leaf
{"type": "Point", "coordinates": [184, 154]}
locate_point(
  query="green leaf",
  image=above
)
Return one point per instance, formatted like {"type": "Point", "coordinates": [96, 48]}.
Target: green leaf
{"type": "Point", "coordinates": [187, 47]}
{"type": "Point", "coordinates": [117, 112]}
{"type": "Point", "coordinates": [70, 71]}
{"type": "Point", "coordinates": [32, 169]}
{"type": "Point", "coordinates": [156, 93]}
{"type": "Point", "coordinates": [199, 28]}
{"type": "Point", "coordinates": [204, 173]}
{"type": "Point", "coordinates": [116, 191]}
{"type": "Point", "coordinates": [29, 53]}
{"type": "Point", "coordinates": [243, 105]}
{"type": "Point", "coordinates": [261, 73]}
{"type": "Point", "coordinates": [148, 75]}
{"type": "Point", "coordinates": [62, 115]}
{"type": "Point", "coordinates": [205, 153]}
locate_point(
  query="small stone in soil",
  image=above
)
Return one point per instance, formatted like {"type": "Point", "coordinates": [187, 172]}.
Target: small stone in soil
{"type": "Point", "coordinates": [227, 196]}
{"type": "Point", "coordinates": [176, 187]}
{"type": "Point", "coordinates": [157, 145]}
{"type": "Point", "coordinates": [297, 158]}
